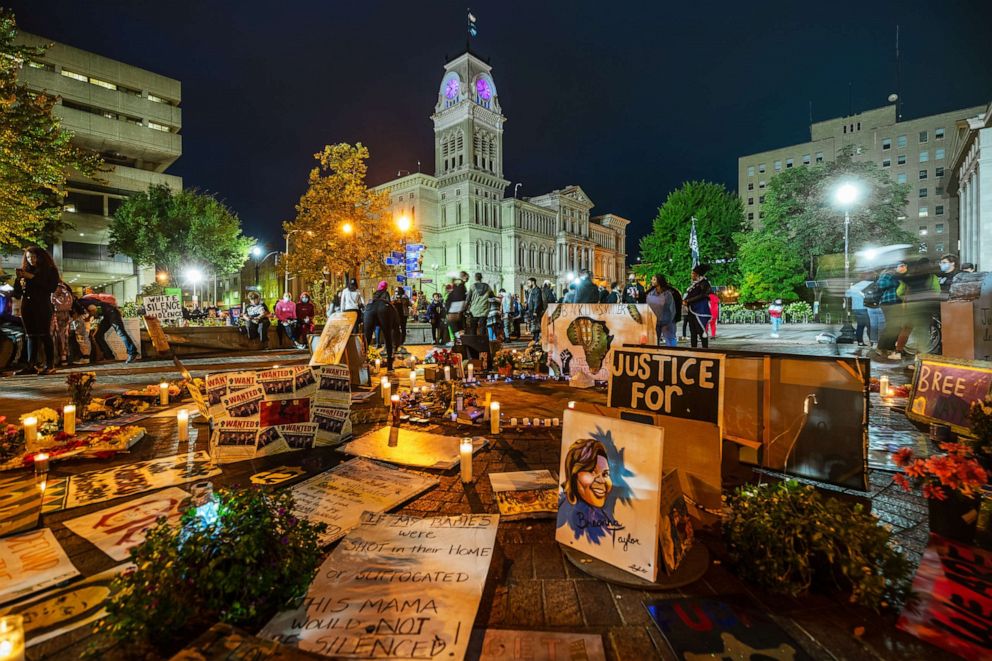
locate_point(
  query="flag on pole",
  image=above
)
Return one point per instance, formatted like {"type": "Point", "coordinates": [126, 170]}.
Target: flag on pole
{"type": "Point", "coordinates": [694, 244]}
{"type": "Point", "coordinates": [472, 30]}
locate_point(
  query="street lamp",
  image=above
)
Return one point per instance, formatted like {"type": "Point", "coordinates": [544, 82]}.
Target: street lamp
{"type": "Point", "coordinates": [847, 195]}
{"type": "Point", "coordinates": [403, 224]}
{"type": "Point", "coordinates": [256, 252]}
{"type": "Point", "coordinates": [194, 276]}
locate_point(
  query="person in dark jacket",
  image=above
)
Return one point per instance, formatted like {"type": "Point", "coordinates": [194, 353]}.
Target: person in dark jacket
{"type": "Point", "coordinates": [109, 317]}
{"type": "Point", "coordinates": [634, 291]}
{"type": "Point", "coordinates": [697, 300]}
{"type": "Point", "coordinates": [381, 314]}
{"type": "Point", "coordinates": [402, 304]}
{"type": "Point", "coordinates": [478, 300]}
{"type": "Point", "coordinates": [535, 308]}
{"type": "Point", "coordinates": [304, 318]}
{"type": "Point", "coordinates": [11, 326]}
{"type": "Point", "coordinates": [34, 285]}
{"type": "Point", "coordinates": [614, 295]}
{"type": "Point", "coordinates": [435, 317]}
{"type": "Point", "coordinates": [586, 290]}
{"type": "Point", "coordinates": [548, 293]}
{"type": "Point", "coordinates": [455, 303]}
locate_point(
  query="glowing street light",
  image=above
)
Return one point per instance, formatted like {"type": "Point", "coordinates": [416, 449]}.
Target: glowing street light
{"type": "Point", "coordinates": [347, 228]}
{"type": "Point", "coordinates": [256, 251]}
{"type": "Point", "coordinates": [403, 224]}
{"type": "Point", "coordinates": [847, 195]}
{"type": "Point", "coordinates": [194, 276]}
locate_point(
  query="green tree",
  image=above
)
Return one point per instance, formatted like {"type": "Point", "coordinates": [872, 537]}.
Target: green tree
{"type": "Point", "coordinates": [719, 215]}
{"type": "Point", "coordinates": [800, 207]}
{"type": "Point", "coordinates": [35, 152]}
{"type": "Point", "coordinates": [769, 268]}
{"type": "Point", "coordinates": [171, 230]}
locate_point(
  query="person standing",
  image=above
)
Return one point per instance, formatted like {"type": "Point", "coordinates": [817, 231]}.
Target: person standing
{"type": "Point", "coordinates": [517, 313]}
{"type": "Point", "coordinates": [948, 271]}
{"type": "Point", "coordinates": [920, 294]}
{"type": "Point", "coordinates": [586, 290]}
{"type": "Point", "coordinates": [548, 293]}
{"type": "Point", "coordinates": [634, 291]}
{"type": "Point", "coordinates": [891, 307]}
{"type": "Point", "coordinates": [714, 312]}
{"type": "Point", "coordinates": [109, 316]}
{"type": "Point", "coordinates": [659, 298]}
{"type": "Point", "coordinates": [697, 300]}
{"type": "Point", "coordinates": [351, 299]}
{"type": "Point", "coordinates": [62, 300]}
{"type": "Point", "coordinates": [872, 297]}
{"type": "Point", "coordinates": [455, 304]}
{"type": "Point", "coordinates": [402, 304]}
{"type": "Point", "coordinates": [775, 311]}
{"type": "Point", "coordinates": [614, 295]}
{"type": "Point", "coordinates": [435, 316]}
{"type": "Point", "coordinates": [380, 314]}
{"type": "Point", "coordinates": [856, 295]}
{"type": "Point", "coordinates": [478, 306]}
{"type": "Point", "coordinates": [506, 309]}
{"type": "Point", "coordinates": [535, 308]}
{"type": "Point", "coordinates": [305, 313]}
{"type": "Point", "coordinates": [285, 318]}
{"type": "Point", "coordinates": [257, 319]}
{"type": "Point", "coordinates": [36, 281]}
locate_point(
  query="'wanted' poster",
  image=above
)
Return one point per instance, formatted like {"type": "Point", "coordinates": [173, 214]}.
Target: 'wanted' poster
{"type": "Point", "coordinates": [234, 439]}
{"type": "Point", "coordinates": [270, 441]}
{"type": "Point", "coordinates": [305, 382]}
{"type": "Point", "coordinates": [333, 424]}
{"type": "Point", "coordinates": [277, 383]}
{"type": "Point", "coordinates": [244, 403]}
{"type": "Point", "coordinates": [334, 388]}
{"type": "Point", "coordinates": [300, 436]}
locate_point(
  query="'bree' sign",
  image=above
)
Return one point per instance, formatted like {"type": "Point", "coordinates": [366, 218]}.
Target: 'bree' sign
{"type": "Point", "coordinates": [944, 388]}
{"type": "Point", "coordinates": [676, 383]}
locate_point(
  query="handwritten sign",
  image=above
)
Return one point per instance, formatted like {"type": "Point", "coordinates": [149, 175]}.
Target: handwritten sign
{"type": "Point", "coordinates": [578, 337]}
{"type": "Point", "coordinates": [334, 337]}
{"type": "Point", "coordinates": [116, 530]}
{"type": "Point", "coordinates": [510, 645]}
{"type": "Point", "coordinates": [944, 388]}
{"type": "Point", "coordinates": [609, 502]}
{"type": "Point", "coordinates": [339, 496]}
{"type": "Point", "coordinates": [164, 308]}
{"type": "Point", "coordinates": [30, 562]}
{"type": "Point", "coordinates": [396, 587]}
{"type": "Point", "coordinates": [676, 383]}
{"type": "Point", "coordinates": [129, 479]}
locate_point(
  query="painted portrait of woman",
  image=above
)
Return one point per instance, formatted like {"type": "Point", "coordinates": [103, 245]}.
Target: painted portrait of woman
{"type": "Point", "coordinates": [587, 473]}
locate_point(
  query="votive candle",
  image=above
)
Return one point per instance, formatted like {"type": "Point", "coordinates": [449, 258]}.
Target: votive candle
{"type": "Point", "coordinates": [12, 638]}
{"type": "Point", "coordinates": [494, 417]}
{"type": "Point", "coordinates": [513, 422]}
{"type": "Point", "coordinates": [394, 405]}
{"type": "Point", "coordinates": [384, 388]}
{"type": "Point", "coordinates": [40, 466]}
{"type": "Point", "coordinates": [69, 419]}
{"type": "Point", "coordinates": [571, 404]}
{"type": "Point", "coordinates": [471, 373]}
{"type": "Point", "coordinates": [413, 378]}
{"type": "Point", "coordinates": [30, 430]}
{"type": "Point", "coordinates": [447, 373]}
{"type": "Point", "coordinates": [883, 386]}
{"type": "Point", "coordinates": [378, 365]}
{"type": "Point", "coordinates": [182, 421]}
{"type": "Point", "coordinates": [163, 393]}
{"type": "Point", "coordinates": [555, 421]}
{"type": "Point", "coordinates": [465, 451]}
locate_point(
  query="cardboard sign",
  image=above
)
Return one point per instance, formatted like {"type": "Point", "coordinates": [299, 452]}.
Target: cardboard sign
{"type": "Point", "coordinates": [222, 642]}
{"type": "Point", "coordinates": [675, 531]}
{"type": "Point", "coordinates": [509, 645]}
{"type": "Point", "coordinates": [954, 583]}
{"type": "Point", "coordinates": [944, 389]}
{"type": "Point", "coordinates": [116, 530]}
{"type": "Point", "coordinates": [525, 494]}
{"type": "Point", "coordinates": [157, 335]}
{"type": "Point", "coordinates": [164, 308]}
{"type": "Point", "coordinates": [676, 383]}
{"type": "Point", "coordinates": [20, 504]}
{"type": "Point", "coordinates": [578, 337]}
{"type": "Point", "coordinates": [30, 562]}
{"type": "Point", "coordinates": [339, 496]}
{"type": "Point", "coordinates": [396, 587]}
{"type": "Point", "coordinates": [63, 609]}
{"type": "Point", "coordinates": [711, 629]}
{"type": "Point", "coordinates": [609, 501]}
{"type": "Point", "coordinates": [337, 330]}
{"type": "Point", "coordinates": [129, 479]}
{"type": "Point", "coordinates": [408, 447]}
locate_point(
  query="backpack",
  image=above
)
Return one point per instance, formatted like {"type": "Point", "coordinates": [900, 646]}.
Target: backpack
{"type": "Point", "coordinates": [872, 295]}
{"type": "Point", "coordinates": [678, 305]}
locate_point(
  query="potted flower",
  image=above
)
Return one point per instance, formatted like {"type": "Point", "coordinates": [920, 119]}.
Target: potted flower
{"type": "Point", "coordinates": [951, 483]}
{"type": "Point", "coordinates": [504, 362]}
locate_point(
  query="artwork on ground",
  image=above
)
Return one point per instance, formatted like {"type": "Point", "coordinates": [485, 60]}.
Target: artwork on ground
{"type": "Point", "coordinates": [276, 475]}
{"type": "Point", "coordinates": [409, 447]}
{"type": "Point", "coordinates": [943, 390]}
{"type": "Point", "coordinates": [578, 337]}
{"type": "Point", "coordinates": [129, 479]}
{"type": "Point", "coordinates": [20, 503]}
{"type": "Point", "coordinates": [116, 530]}
{"type": "Point", "coordinates": [222, 642]}
{"type": "Point", "coordinates": [63, 609]}
{"type": "Point", "coordinates": [609, 496]}
{"type": "Point", "coordinates": [510, 645]}
{"type": "Point", "coordinates": [32, 561]}
{"type": "Point", "coordinates": [525, 494]}
{"type": "Point", "coordinates": [339, 496]}
{"type": "Point", "coordinates": [954, 583]}
{"type": "Point", "coordinates": [56, 490]}
{"type": "Point", "coordinates": [334, 337]}
{"type": "Point", "coordinates": [698, 629]}
{"type": "Point", "coordinates": [396, 587]}
{"type": "Point", "coordinates": [675, 532]}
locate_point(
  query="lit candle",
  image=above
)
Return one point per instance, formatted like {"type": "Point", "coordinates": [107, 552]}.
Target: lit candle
{"type": "Point", "coordinates": [182, 421]}
{"type": "Point", "coordinates": [69, 419]}
{"type": "Point", "coordinates": [571, 405]}
{"type": "Point", "coordinates": [413, 378]}
{"type": "Point", "coordinates": [394, 407]}
{"type": "Point", "coordinates": [494, 417]}
{"type": "Point", "coordinates": [513, 422]}
{"type": "Point", "coordinates": [384, 388]}
{"type": "Point", "coordinates": [525, 422]}
{"type": "Point", "coordinates": [378, 365]}
{"type": "Point", "coordinates": [12, 638]}
{"type": "Point", "coordinates": [30, 430]}
{"type": "Point", "coordinates": [447, 373]}
{"type": "Point", "coordinates": [486, 406]}
{"type": "Point", "coordinates": [465, 450]}
{"type": "Point", "coordinates": [547, 422]}
{"type": "Point", "coordinates": [163, 393]}
{"type": "Point", "coordinates": [40, 465]}
{"type": "Point", "coordinates": [883, 386]}
{"type": "Point", "coordinates": [471, 373]}
{"type": "Point", "coordinates": [555, 422]}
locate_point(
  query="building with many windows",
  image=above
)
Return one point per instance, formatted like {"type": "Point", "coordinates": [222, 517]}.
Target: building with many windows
{"type": "Point", "coordinates": [971, 185]}
{"type": "Point", "coordinates": [917, 152]}
{"type": "Point", "coordinates": [129, 116]}
{"type": "Point", "coordinates": [464, 216]}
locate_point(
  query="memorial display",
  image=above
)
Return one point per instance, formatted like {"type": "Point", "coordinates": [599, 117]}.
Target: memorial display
{"type": "Point", "coordinates": [129, 479]}
{"type": "Point", "coordinates": [20, 503]}
{"type": "Point", "coordinates": [944, 389]}
{"type": "Point", "coordinates": [409, 447]}
{"type": "Point", "coordinates": [525, 494]}
{"type": "Point", "coordinates": [337, 329]}
{"type": "Point", "coordinates": [32, 561]}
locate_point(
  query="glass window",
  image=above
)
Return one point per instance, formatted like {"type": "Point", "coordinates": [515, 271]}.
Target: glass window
{"type": "Point", "coordinates": [761, 214]}
{"type": "Point", "coordinates": [750, 170]}
{"type": "Point", "coordinates": [886, 143]}
{"type": "Point", "coordinates": [103, 83]}
{"type": "Point", "coordinates": [750, 215]}
{"type": "Point", "coordinates": [938, 134]}
{"type": "Point", "coordinates": [901, 141]}
{"type": "Point", "coordinates": [74, 75]}
{"type": "Point", "coordinates": [924, 156]}
{"type": "Point", "coordinates": [788, 163]}
{"type": "Point", "coordinates": [939, 228]}
{"type": "Point", "coordinates": [924, 136]}
{"type": "Point", "coordinates": [938, 153]}
{"type": "Point", "coordinates": [157, 99]}
{"type": "Point", "coordinates": [923, 192]}
{"type": "Point", "coordinates": [806, 159]}
{"type": "Point", "coordinates": [761, 199]}
{"type": "Point", "coordinates": [901, 159]}
{"type": "Point", "coordinates": [938, 191]}
{"type": "Point", "coordinates": [761, 167]}
{"type": "Point", "coordinates": [923, 175]}
{"type": "Point", "coordinates": [939, 209]}
{"type": "Point", "coordinates": [938, 171]}
{"type": "Point", "coordinates": [159, 127]}
{"type": "Point", "coordinates": [924, 212]}
{"type": "Point", "coordinates": [939, 247]}
{"type": "Point", "coordinates": [923, 246]}
{"type": "Point", "coordinates": [761, 184]}
{"type": "Point", "coordinates": [778, 166]}
{"type": "Point", "coordinates": [819, 157]}
{"type": "Point", "coordinates": [886, 162]}
{"type": "Point", "coordinates": [901, 178]}
{"type": "Point", "coordinates": [750, 200]}
{"type": "Point", "coordinates": [923, 230]}
{"type": "Point", "coordinates": [750, 185]}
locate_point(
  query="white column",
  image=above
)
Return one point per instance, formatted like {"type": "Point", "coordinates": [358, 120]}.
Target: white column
{"type": "Point", "coordinates": [964, 231]}
{"type": "Point", "coordinates": [976, 210]}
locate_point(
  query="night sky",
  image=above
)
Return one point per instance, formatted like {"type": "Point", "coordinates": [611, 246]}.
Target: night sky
{"type": "Point", "coordinates": [626, 100]}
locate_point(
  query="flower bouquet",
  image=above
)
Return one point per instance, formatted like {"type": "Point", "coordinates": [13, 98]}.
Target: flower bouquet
{"type": "Point", "coordinates": [504, 362]}
{"type": "Point", "coordinates": [81, 388]}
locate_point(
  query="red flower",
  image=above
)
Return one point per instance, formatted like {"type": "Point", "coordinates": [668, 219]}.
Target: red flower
{"type": "Point", "coordinates": [902, 456]}
{"type": "Point", "coordinates": [916, 469]}
{"type": "Point", "coordinates": [933, 492]}
{"type": "Point", "coordinates": [901, 480]}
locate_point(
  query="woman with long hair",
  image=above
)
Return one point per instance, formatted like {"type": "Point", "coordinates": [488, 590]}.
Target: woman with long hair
{"type": "Point", "coordinates": [37, 279]}
{"type": "Point", "coordinates": [662, 303]}
{"type": "Point", "coordinates": [697, 300]}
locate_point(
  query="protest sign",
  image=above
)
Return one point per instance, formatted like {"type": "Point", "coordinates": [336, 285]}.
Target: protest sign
{"type": "Point", "coordinates": [525, 494]}
{"type": "Point", "coordinates": [510, 645]}
{"type": "Point", "coordinates": [337, 330]}
{"type": "Point", "coordinates": [397, 587]}
{"type": "Point", "coordinates": [944, 388]}
{"type": "Point", "coordinates": [299, 436]}
{"type": "Point", "coordinates": [30, 562]}
{"type": "Point", "coordinates": [157, 335]}
{"type": "Point", "coordinates": [409, 447]}
{"type": "Point", "coordinates": [129, 479]}
{"type": "Point", "coordinates": [334, 387]}
{"type": "Point", "coordinates": [244, 403]}
{"type": "Point", "coordinates": [339, 496]}
{"type": "Point", "coordinates": [675, 532]}
{"type": "Point", "coordinates": [277, 383]}
{"type": "Point", "coordinates": [270, 441]}
{"type": "Point", "coordinates": [20, 504]}
{"type": "Point", "coordinates": [234, 439]}
{"type": "Point", "coordinates": [116, 530]}
{"type": "Point", "coordinates": [609, 500]}
{"type": "Point", "coordinates": [216, 385]}
{"type": "Point", "coordinates": [63, 609]}
{"type": "Point", "coordinates": [676, 383]}
{"type": "Point", "coordinates": [333, 424]}
{"type": "Point", "coordinates": [240, 380]}
{"type": "Point", "coordinates": [222, 642]}
{"type": "Point", "coordinates": [167, 309]}
{"type": "Point", "coordinates": [305, 383]}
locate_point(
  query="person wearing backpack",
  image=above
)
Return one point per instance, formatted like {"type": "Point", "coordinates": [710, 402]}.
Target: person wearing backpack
{"type": "Point", "coordinates": [856, 295]}
{"type": "Point", "coordinates": [872, 297]}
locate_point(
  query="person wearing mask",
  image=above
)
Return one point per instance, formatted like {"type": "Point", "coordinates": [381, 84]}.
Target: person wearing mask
{"type": "Point", "coordinates": [257, 320]}
{"type": "Point", "coordinates": [697, 300]}
{"type": "Point", "coordinates": [634, 291]}
{"type": "Point", "coordinates": [569, 296]}
{"type": "Point", "coordinates": [478, 306]}
{"type": "Point", "coordinates": [304, 319]}
{"type": "Point", "coordinates": [948, 271]}
{"type": "Point", "coordinates": [36, 281]}
{"type": "Point", "coordinates": [109, 316]}
{"type": "Point", "coordinates": [285, 318]}
{"type": "Point", "coordinates": [350, 298]}
{"type": "Point", "coordinates": [614, 295]}
{"type": "Point", "coordinates": [856, 295]}
{"type": "Point", "coordinates": [586, 290]}
{"type": "Point", "coordinates": [920, 294]}
{"type": "Point", "coordinates": [659, 298]}
{"type": "Point", "coordinates": [548, 293]}
{"type": "Point", "coordinates": [435, 317]}
{"type": "Point", "coordinates": [535, 308]}
{"type": "Point", "coordinates": [455, 304]}
{"type": "Point", "coordinates": [62, 300]}
{"type": "Point", "coordinates": [402, 304]}
{"type": "Point", "coordinates": [380, 314]}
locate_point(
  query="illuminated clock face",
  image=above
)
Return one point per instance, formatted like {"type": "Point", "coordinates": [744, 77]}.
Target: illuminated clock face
{"type": "Point", "coordinates": [451, 88]}
{"type": "Point", "coordinates": [483, 88]}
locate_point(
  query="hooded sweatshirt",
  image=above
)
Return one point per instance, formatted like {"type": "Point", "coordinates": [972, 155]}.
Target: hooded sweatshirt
{"type": "Point", "coordinates": [478, 299]}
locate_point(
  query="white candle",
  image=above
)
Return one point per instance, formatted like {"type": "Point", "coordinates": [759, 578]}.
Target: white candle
{"type": "Point", "coordinates": [513, 422]}
{"type": "Point", "coordinates": [547, 422]}
{"type": "Point", "coordinates": [525, 422]}
{"type": "Point", "coordinates": [465, 450]}
{"type": "Point", "coordinates": [471, 372]}
{"type": "Point", "coordinates": [447, 373]}
{"type": "Point", "coordinates": [12, 638]}
{"type": "Point", "coordinates": [163, 393]}
{"type": "Point", "coordinates": [378, 364]}
{"type": "Point", "coordinates": [883, 386]}
{"type": "Point", "coordinates": [571, 405]}
{"type": "Point", "coordinates": [182, 421]}
{"type": "Point", "coordinates": [494, 417]}
{"type": "Point", "coordinates": [30, 430]}
{"type": "Point", "coordinates": [69, 419]}
{"type": "Point", "coordinates": [394, 403]}
{"type": "Point", "coordinates": [555, 421]}
{"type": "Point", "coordinates": [384, 388]}
{"type": "Point", "coordinates": [40, 466]}
{"type": "Point", "coordinates": [413, 378]}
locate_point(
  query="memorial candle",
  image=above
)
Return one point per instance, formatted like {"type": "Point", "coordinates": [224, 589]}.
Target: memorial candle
{"type": "Point", "coordinates": [883, 386]}
{"type": "Point", "coordinates": [471, 373]}
{"type": "Point", "coordinates": [12, 638]}
{"type": "Point", "coordinates": [571, 405]}
{"type": "Point", "coordinates": [69, 419]}
{"type": "Point", "coordinates": [394, 408]}
{"type": "Point", "coordinates": [465, 450]}
{"type": "Point", "coordinates": [494, 417]}
{"type": "Point", "coordinates": [163, 393]}
{"type": "Point", "coordinates": [41, 463]}
{"type": "Point", "coordinates": [384, 388]}
{"type": "Point", "coordinates": [447, 373]}
{"type": "Point", "coordinates": [30, 430]}
{"type": "Point", "coordinates": [378, 365]}
{"type": "Point", "coordinates": [182, 421]}
{"type": "Point", "coordinates": [413, 378]}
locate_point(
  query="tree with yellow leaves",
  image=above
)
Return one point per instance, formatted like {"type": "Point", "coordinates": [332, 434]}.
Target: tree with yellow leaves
{"type": "Point", "coordinates": [342, 227]}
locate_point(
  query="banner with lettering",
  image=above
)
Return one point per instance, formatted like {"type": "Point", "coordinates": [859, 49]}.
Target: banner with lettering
{"type": "Point", "coordinates": [609, 503]}
{"type": "Point", "coordinates": [167, 309]}
{"type": "Point", "coordinates": [396, 587]}
{"type": "Point", "coordinates": [681, 384]}
{"type": "Point", "coordinates": [129, 479]}
{"type": "Point", "coordinates": [944, 388]}
{"type": "Point", "coordinates": [30, 562]}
